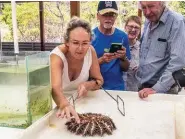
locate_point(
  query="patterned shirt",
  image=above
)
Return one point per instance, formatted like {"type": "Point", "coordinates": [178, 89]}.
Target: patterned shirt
{"type": "Point", "coordinates": [162, 51]}
{"type": "Point", "coordinates": [131, 81]}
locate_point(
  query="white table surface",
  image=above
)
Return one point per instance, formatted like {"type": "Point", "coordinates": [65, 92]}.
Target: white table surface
{"type": "Point", "coordinates": [9, 133]}
{"type": "Point", "coordinates": [13, 133]}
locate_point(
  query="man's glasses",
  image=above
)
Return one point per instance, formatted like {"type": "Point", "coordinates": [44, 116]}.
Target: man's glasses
{"type": "Point", "coordinates": [109, 15]}
{"type": "Point", "coordinates": [133, 27]}
{"type": "Point", "coordinates": [78, 44]}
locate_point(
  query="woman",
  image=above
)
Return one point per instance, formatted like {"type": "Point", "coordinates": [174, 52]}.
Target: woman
{"type": "Point", "coordinates": [133, 27]}
{"type": "Point", "coordinates": [72, 64]}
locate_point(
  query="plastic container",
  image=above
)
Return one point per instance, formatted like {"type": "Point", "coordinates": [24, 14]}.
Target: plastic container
{"type": "Point", "coordinates": [25, 89]}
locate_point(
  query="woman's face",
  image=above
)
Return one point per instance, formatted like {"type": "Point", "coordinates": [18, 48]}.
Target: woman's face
{"type": "Point", "coordinates": [79, 42]}
{"type": "Point", "coordinates": [132, 29]}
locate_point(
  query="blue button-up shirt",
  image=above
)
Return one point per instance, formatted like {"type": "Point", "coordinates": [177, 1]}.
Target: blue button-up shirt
{"type": "Point", "coordinates": [162, 51]}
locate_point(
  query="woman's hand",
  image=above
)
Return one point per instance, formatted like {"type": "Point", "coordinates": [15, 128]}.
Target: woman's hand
{"type": "Point", "coordinates": [82, 90]}
{"type": "Point", "coordinates": [67, 111]}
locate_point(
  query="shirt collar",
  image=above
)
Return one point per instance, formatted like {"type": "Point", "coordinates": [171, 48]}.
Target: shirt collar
{"type": "Point", "coordinates": [164, 15]}
{"type": "Point", "coordinates": [162, 19]}
{"type": "Point", "coordinates": [135, 46]}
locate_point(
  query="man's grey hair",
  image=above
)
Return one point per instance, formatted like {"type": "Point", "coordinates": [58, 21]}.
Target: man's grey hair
{"type": "Point", "coordinates": [163, 3]}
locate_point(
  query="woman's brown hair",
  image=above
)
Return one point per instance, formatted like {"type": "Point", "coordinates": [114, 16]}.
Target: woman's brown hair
{"type": "Point", "coordinates": [134, 18]}
{"type": "Point", "coordinates": [74, 23]}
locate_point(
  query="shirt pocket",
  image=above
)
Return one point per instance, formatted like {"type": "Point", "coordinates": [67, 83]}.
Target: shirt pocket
{"type": "Point", "coordinates": [159, 50]}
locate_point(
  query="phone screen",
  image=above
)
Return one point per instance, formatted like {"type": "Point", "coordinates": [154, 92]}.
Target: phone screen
{"type": "Point", "coordinates": [115, 47]}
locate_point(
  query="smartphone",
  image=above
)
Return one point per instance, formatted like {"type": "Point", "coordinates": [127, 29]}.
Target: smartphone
{"type": "Point", "coordinates": [115, 47]}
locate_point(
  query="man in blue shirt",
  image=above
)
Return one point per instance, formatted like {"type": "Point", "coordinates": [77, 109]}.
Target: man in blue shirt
{"type": "Point", "coordinates": [112, 65]}
{"type": "Point", "coordinates": [162, 49]}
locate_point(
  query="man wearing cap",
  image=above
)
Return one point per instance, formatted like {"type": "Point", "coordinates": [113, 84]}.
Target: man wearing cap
{"type": "Point", "coordinates": [112, 65]}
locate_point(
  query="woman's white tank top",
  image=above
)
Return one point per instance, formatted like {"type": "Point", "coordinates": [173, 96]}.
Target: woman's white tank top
{"type": "Point", "coordinates": [84, 74]}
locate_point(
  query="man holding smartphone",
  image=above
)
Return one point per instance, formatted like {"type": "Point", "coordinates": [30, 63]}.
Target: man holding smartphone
{"type": "Point", "coordinates": [112, 64]}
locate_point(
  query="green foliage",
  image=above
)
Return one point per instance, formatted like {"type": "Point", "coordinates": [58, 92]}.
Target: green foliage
{"type": "Point", "coordinates": [88, 11]}
{"type": "Point", "coordinates": [6, 18]}
{"type": "Point", "coordinates": [126, 9]}
{"type": "Point", "coordinates": [182, 7]}
{"type": "Point", "coordinates": [27, 21]}
{"type": "Point", "coordinates": [178, 6]}
{"type": "Point", "coordinates": [57, 15]}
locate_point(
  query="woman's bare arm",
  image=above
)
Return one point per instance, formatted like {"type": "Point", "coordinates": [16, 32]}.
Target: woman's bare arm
{"type": "Point", "coordinates": [56, 80]}
{"type": "Point", "coordinates": [57, 90]}
{"type": "Point", "coordinates": [94, 73]}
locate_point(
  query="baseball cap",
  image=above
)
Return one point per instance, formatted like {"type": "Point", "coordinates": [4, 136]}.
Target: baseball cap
{"type": "Point", "coordinates": [107, 6]}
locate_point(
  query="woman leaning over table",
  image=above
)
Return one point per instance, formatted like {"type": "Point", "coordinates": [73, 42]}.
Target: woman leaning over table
{"type": "Point", "coordinates": [72, 64]}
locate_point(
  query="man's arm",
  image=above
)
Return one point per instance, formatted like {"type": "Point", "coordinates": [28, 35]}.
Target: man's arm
{"type": "Point", "coordinates": [177, 61]}
{"type": "Point", "coordinates": [124, 63]}
{"type": "Point", "coordinates": [101, 60]}
{"type": "Point", "coordinates": [94, 73]}
{"type": "Point", "coordinates": [106, 58]}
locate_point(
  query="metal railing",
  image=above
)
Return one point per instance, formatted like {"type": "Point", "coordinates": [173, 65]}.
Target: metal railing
{"type": "Point", "coordinates": [28, 46]}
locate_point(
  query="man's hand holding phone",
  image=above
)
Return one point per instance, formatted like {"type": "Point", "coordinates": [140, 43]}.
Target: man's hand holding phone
{"type": "Point", "coordinates": [116, 51]}
{"type": "Point", "coordinates": [120, 53]}
{"type": "Point", "coordinates": [106, 58]}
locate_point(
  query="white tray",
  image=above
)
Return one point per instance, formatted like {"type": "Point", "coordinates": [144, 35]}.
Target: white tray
{"type": "Point", "coordinates": [152, 118]}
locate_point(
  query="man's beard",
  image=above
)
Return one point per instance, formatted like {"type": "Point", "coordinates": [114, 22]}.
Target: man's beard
{"type": "Point", "coordinates": [107, 26]}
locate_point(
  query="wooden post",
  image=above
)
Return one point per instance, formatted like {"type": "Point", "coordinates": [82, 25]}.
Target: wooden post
{"type": "Point", "coordinates": [75, 8]}
{"type": "Point", "coordinates": [140, 13]}
{"type": "Point", "coordinates": [41, 15]}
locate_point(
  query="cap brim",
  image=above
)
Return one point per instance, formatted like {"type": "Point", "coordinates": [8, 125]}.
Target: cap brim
{"type": "Point", "coordinates": [108, 10]}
